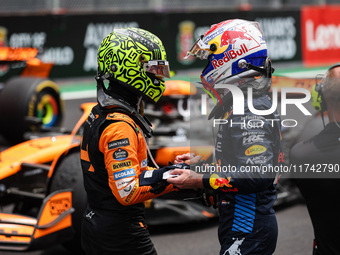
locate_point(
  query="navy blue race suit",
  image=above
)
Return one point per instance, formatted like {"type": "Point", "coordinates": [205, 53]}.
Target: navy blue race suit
{"type": "Point", "coordinates": [246, 197]}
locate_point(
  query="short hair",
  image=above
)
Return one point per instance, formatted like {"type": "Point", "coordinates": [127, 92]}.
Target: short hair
{"type": "Point", "coordinates": [331, 88]}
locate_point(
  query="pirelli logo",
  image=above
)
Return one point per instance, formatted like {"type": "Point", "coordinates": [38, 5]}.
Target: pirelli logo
{"type": "Point", "coordinates": [131, 195]}
{"type": "Point", "coordinates": [121, 165]}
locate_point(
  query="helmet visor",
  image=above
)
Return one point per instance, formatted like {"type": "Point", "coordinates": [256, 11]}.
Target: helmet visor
{"type": "Point", "coordinates": [199, 50]}
{"type": "Point", "coordinates": [160, 68]}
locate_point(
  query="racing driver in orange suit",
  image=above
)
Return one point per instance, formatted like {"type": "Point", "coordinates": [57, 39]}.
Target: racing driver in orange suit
{"type": "Point", "coordinates": [114, 156]}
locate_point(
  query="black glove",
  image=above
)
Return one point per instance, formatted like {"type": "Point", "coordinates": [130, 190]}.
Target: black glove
{"type": "Point", "coordinates": [159, 187]}
{"type": "Point", "coordinates": [209, 197]}
{"type": "Point", "coordinates": [154, 178]}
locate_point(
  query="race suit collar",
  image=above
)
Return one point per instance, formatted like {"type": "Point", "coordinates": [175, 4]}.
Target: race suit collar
{"type": "Point", "coordinates": [118, 104]}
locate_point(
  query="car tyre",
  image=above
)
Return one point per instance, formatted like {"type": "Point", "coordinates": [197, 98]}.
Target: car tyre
{"type": "Point", "coordinates": [24, 97]}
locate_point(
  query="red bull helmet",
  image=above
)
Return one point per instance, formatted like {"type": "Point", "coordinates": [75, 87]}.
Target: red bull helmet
{"type": "Point", "coordinates": [236, 52]}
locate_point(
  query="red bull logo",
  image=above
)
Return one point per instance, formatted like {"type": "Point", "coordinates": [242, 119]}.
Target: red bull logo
{"type": "Point", "coordinates": [231, 54]}
{"type": "Point", "coordinates": [222, 182]}
{"type": "Point", "coordinates": [230, 36]}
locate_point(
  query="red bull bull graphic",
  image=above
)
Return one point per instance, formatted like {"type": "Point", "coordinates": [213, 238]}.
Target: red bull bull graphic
{"type": "Point", "coordinates": [235, 44]}
{"type": "Point", "coordinates": [230, 36]}
{"type": "Point", "coordinates": [219, 182]}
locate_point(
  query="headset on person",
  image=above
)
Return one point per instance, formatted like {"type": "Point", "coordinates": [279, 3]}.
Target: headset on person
{"type": "Point", "coordinates": [318, 101]}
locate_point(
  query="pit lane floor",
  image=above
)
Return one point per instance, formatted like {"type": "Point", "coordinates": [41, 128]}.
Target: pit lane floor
{"type": "Point", "coordinates": [295, 236]}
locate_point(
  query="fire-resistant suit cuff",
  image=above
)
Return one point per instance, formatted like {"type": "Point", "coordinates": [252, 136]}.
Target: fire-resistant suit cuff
{"type": "Point", "coordinates": [206, 181]}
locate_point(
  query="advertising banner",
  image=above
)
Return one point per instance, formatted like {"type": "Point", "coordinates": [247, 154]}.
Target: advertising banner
{"type": "Point", "coordinates": [320, 26]}
{"type": "Point", "coordinates": [282, 34]}
{"type": "Point", "coordinates": [71, 41]}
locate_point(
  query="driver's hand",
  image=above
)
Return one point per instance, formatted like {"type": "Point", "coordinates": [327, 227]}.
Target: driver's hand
{"type": "Point", "coordinates": [187, 158]}
{"type": "Point", "coordinates": [186, 179]}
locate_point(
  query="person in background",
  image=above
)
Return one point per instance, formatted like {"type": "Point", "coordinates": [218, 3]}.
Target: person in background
{"type": "Point", "coordinates": [321, 193]}
{"type": "Point", "coordinates": [236, 54]}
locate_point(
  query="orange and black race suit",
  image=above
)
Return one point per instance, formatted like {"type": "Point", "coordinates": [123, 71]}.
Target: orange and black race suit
{"type": "Point", "coordinates": [113, 154]}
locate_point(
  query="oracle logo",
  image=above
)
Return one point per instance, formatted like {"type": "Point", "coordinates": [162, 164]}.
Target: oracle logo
{"type": "Point", "coordinates": [322, 37]}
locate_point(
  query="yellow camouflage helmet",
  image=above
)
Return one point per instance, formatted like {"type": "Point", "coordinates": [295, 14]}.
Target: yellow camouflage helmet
{"type": "Point", "coordinates": [135, 58]}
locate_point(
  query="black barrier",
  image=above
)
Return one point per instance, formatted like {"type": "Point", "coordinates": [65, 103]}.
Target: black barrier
{"type": "Point", "coordinates": [71, 41]}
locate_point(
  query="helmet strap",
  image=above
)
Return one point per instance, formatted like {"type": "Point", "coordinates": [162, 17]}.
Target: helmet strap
{"type": "Point", "coordinates": [140, 106]}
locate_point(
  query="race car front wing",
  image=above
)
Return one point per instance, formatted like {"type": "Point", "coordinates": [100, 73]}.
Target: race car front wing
{"type": "Point", "coordinates": [53, 225]}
